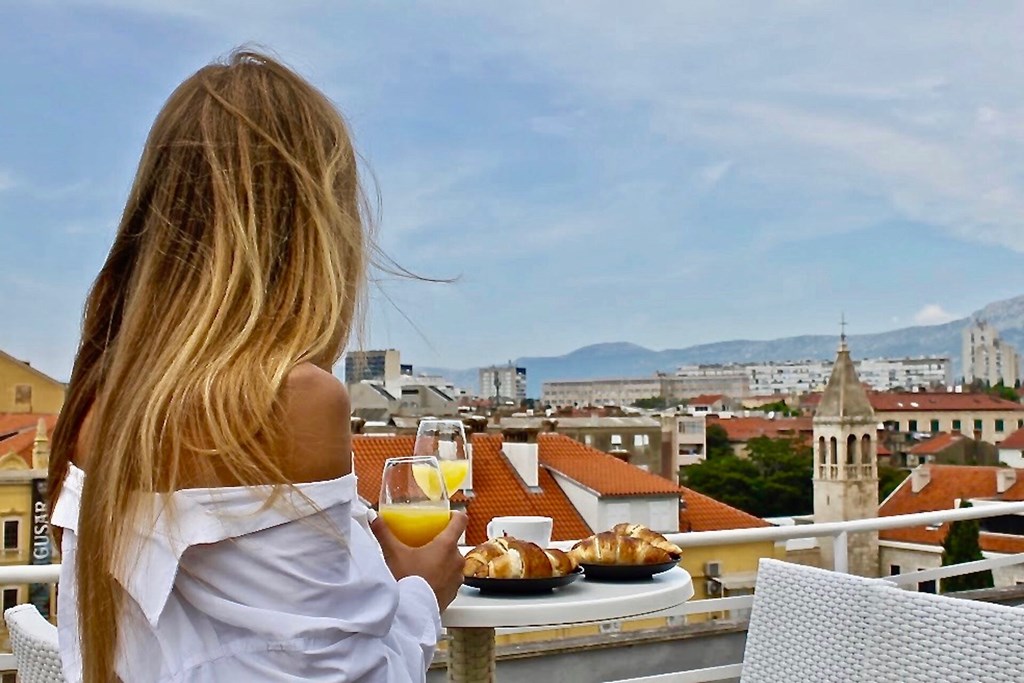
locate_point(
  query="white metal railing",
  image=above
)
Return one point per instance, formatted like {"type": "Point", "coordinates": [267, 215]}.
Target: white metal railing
{"type": "Point", "coordinates": [838, 531]}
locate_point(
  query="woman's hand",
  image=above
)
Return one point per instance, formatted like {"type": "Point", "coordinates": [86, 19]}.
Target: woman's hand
{"type": "Point", "coordinates": [439, 562]}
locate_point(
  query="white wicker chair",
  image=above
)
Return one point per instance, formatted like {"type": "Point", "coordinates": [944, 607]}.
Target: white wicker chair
{"type": "Point", "coordinates": [34, 642]}
{"type": "Point", "coordinates": [811, 625]}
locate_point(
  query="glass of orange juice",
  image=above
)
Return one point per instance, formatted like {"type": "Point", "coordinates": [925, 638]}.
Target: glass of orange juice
{"type": "Point", "coordinates": [446, 441]}
{"type": "Point", "coordinates": [413, 499]}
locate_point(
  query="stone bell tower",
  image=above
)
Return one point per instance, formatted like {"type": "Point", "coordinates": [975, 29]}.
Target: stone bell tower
{"type": "Point", "coordinates": [846, 463]}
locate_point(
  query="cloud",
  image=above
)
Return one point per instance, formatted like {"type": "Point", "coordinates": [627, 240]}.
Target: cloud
{"type": "Point", "coordinates": [713, 174]}
{"type": "Point", "coordinates": [7, 180]}
{"type": "Point", "coordinates": [933, 314]}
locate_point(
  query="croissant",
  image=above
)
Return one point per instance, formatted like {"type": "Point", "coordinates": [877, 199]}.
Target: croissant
{"type": "Point", "coordinates": [510, 558]}
{"type": "Point", "coordinates": [652, 537]}
{"type": "Point", "coordinates": [611, 548]}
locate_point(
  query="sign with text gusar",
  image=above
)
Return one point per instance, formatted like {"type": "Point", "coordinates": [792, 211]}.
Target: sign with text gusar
{"type": "Point", "coordinates": [39, 593]}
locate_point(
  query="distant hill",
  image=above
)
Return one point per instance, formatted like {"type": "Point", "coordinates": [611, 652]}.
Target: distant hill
{"type": "Point", "coordinates": [623, 359]}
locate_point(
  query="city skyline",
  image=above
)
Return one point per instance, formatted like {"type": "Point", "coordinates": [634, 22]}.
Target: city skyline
{"type": "Point", "coordinates": [686, 175]}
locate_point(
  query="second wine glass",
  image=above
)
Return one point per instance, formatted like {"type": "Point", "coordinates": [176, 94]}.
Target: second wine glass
{"type": "Point", "coordinates": [446, 441]}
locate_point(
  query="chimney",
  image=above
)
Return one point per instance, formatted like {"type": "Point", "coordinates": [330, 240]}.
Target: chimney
{"type": "Point", "coordinates": [520, 447]}
{"type": "Point", "coordinates": [41, 447]}
{"type": "Point", "coordinates": [356, 424]}
{"type": "Point", "coordinates": [1005, 478]}
{"type": "Point", "coordinates": [920, 477]}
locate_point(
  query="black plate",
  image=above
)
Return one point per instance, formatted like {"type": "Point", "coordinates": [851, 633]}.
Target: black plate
{"type": "Point", "coordinates": [625, 572]}
{"type": "Point", "coordinates": [521, 586]}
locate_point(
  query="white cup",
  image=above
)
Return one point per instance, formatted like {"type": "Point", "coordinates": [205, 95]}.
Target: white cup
{"type": "Point", "coordinates": [533, 529]}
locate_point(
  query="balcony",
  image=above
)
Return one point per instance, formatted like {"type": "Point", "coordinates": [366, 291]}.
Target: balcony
{"type": "Point", "coordinates": [664, 647]}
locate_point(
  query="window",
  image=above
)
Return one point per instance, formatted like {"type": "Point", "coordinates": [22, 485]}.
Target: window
{"type": "Point", "coordinates": [935, 426]}
{"type": "Point", "coordinates": [926, 586]}
{"type": "Point", "coordinates": [912, 426]}
{"type": "Point", "coordinates": [23, 394]}
{"type": "Point", "coordinates": [977, 425]}
{"type": "Point", "coordinates": [1020, 424]}
{"type": "Point", "coordinates": [588, 440]}
{"type": "Point", "coordinates": [999, 426]}
{"type": "Point", "coordinates": [10, 597]}
{"type": "Point", "coordinates": [956, 425]}
{"type": "Point", "coordinates": [641, 440]}
{"type": "Point", "coordinates": [616, 439]}
{"type": "Point", "coordinates": [894, 569]}
{"type": "Point", "coordinates": [12, 532]}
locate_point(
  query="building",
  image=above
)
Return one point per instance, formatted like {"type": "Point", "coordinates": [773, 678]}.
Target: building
{"type": "Point", "coordinates": [988, 358]}
{"type": "Point", "coordinates": [1011, 450]}
{"type": "Point", "coordinates": [503, 383]}
{"type": "Point", "coordinates": [23, 389]}
{"type": "Point", "coordinates": [377, 365]}
{"type": "Point", "coordinates": [952, 449]}
{"type": "Point", "coordinates": [600, 392]}
{"type": "Point", "coordinates": [742, 429]}
{"type": "Point", "coordinates": [633, 438]}
{"type": "Point", "coordinates": [846, 463]}
{"type": "Point", "coordinates": [943, 487]}
{"type": "Point", "coordinates": [708, 404]}
{"type": "Point", "coordinates": [694, 380]}
{"type": "Point", "coordinates": [991, 418]}
{"type": "Point", "coordinates": [24, 459]}
{"type": "Point", "coordinates": [625, 391]}
{"type": "Point", "coordinates": [376, 402]}
{"type": "Point", "coordinates": [881, 374]}
{"type": "Point", "coordinates": [684, 442]}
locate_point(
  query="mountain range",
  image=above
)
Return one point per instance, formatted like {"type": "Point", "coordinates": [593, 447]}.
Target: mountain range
{"type": "Point", "coordinates": [624, 359]}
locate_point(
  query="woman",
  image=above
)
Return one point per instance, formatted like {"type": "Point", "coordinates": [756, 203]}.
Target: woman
{"type": "Point", "coordinates": [200, 477]}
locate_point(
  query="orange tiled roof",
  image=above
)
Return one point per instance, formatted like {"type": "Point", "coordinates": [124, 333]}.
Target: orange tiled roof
{"type": "Point", "coordinates": [1015, 440]}
{"type": "Point", "coordinates": [703, 513]}
{"type": "Point", "coordinates": [18, 432]}
{"type": "Point", "coordinates": [947, 484]}
{"type": "Point", "coordinates": [19, 422]}
{"type": "Point", "coordinates": [706, 399]}
{"type": "Point", "coordinates": [884, 401]}
{"type": "Point", "coordinates": [889, 402]}
{"type": "Point", "coordinates": [746, 428]}
{"type": "Point", "coordinates": [598, 471]}
{"type": "Point", "coordinates": [937, 443]}
{"type": "Point", "coordinates": [497, 489]}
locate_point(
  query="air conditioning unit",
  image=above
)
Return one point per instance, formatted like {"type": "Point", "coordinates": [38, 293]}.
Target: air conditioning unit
{"type": "Point", "coordinates": [677, 620]}
{"type": "Point", "coordinates": [712, 569]}
{"type": "Point", "coordinates": [610, 626]}
{"type": "Point", "coordinates": [712, 588]}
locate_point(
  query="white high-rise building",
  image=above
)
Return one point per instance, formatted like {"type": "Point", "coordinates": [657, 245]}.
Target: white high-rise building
{"type": "Point", "coordinates": [987, 357]}
{"type": "Point", "coordinates": [506, 382]}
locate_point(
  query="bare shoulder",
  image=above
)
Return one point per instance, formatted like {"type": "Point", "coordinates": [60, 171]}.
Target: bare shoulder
{"type": "Point", "coordinates": [318, 411]}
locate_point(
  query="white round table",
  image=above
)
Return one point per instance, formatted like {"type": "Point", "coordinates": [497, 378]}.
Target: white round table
{"type": "Point", "coordinates": [473, 616]}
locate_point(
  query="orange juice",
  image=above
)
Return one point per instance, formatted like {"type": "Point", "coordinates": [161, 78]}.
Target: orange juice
{"type": "Point", "coordinates": [454, 472]}
{"type": "Point", "coordinates": [415, 525]}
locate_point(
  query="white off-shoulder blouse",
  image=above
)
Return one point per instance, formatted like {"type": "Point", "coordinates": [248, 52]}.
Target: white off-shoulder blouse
{"type": "Point", "coordinates": [225, 591]}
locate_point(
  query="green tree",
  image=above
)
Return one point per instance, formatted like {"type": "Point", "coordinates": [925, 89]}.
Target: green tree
{"type": "Point", "coordinates": [717, 442]}
{"type": "Point", "coordinates": [888, 479]}
{"type": "Point", "coordinates": [731, 480]}
{"type": "Point", "coordinates": [780, 407]}
{"type": "Point", "coordinates": [962, 545]}
{"type": "Point", "coordinates": [651, 403]}
{"type": "Point", "coordinates": [774, 481]}
{"type": "Point", "coordinates": [1005, 392]}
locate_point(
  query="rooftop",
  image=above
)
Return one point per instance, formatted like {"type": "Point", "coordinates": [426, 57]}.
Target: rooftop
{"type": "Point", "coordinates": [1015, 440]}
{"type": "Point", "coordinates": [746, 428]}
{"type": "Point", "coordinates": [946, 485]}
{"type": "Point", "coordinates": [937, 443]}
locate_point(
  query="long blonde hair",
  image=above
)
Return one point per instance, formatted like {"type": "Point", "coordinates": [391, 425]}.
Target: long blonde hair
{"type": "Point", "coordinates": [242, 252]}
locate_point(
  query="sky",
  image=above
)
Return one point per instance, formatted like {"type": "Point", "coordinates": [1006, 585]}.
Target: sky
{"type": "Point", "coordinates": [668, 174]}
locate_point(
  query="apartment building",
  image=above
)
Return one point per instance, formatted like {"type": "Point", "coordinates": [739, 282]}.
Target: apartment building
{"type": "Point", "coordinates": [504, 382]}
{"type": "Point", "coordinates": [987, 357]}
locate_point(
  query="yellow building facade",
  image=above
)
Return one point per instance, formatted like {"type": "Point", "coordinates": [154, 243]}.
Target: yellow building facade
{"type": "Point", "coordinates": [24, 529]}
{"type": "Point", "coordinates": [23, 389]}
